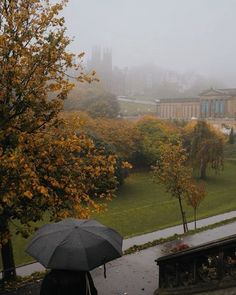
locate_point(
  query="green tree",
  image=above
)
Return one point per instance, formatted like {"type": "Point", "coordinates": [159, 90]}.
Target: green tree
{"type": "Point", "coordinates": [152, 134]}
{"type": "Point", "coordinates": [108, 149]}
{"type": "Point", "coordinates": [206, 148]}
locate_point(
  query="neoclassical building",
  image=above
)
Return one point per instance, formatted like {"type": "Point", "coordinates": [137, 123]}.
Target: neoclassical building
{"type": "Point", "coordinates": [210, 104]}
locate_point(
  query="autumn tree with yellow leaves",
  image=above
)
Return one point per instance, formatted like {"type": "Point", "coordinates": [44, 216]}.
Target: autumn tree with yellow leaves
{"type": "Point", "coordinates": [44, 164]}
{"type": "Point", "coordinates": [173, 172]}
{"type": "Point", "coordinates": [121, 134]}
{"type": "Point", "coordinates": [195, 196]}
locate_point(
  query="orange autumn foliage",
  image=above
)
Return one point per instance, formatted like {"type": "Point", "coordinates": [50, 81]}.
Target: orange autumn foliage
{"type": "Point", "coordinates": [44, 164]}
{"type": "Point", "coordinates": [173, 172]}
{"type": "Point", "coordinates": [55, 171]}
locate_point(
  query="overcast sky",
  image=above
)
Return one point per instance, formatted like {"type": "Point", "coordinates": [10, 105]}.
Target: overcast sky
{"type": "Point", "coordinates": [182, 35]}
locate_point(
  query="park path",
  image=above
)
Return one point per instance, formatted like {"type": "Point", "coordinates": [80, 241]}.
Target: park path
{"type": "Point", "coordinates": [139, 240]}
{"type": "Point", "coordinates": [137, 274]}
{"type": "Point", "coordinates": [178, 229]}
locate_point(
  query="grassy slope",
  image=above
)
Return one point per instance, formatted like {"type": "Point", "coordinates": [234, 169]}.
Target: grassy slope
{"type": "Point", "coordinates": [221, 191]}
{"type": "Point", "coordinates": [142, 206]}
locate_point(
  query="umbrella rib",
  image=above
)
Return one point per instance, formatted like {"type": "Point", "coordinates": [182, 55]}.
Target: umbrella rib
{"type": "Point", "coordinates": [81, 240]}
{"type": "Point", "coordinates": [111, 243]}
{"type": "Point", "coordinates": [101, 236]}
{"type": "Point", "coordinates": [47, 234]}
{"type": "Point", "coordinates": [78, 237]}
{"type": "Point", "coordinates": [59, 245]}
{"type": "Point", "coordinates": [86, 253]}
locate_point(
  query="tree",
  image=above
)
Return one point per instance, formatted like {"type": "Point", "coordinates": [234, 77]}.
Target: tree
{"type": "Point", "coordinates": [153, 133]}
{"type": "Point", "coordinates": [121, 169]}
{"type": "Point", "coordinates": [172, 172]}
{"type": "Point", "coordinates": [97, 102]}
{"type": "Point", "coordinates": [34, 62]}
{"type": "Point", "coordinates": [116, 137]}
{"type": "Point", "coordinates": [206, 148]}
{"type": "Point", "coordinates": [56, 171]}
{"type": "Point", "coordinates": [40, 167]}
{"type": "Point", "coordinates": [121, 134]}
{"type": "Point", "coordinates": [195, 196]}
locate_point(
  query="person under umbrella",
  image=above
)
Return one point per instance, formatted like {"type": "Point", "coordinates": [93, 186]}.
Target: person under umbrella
{"type": "Point", "coordinates": [73, 247]}
{"type": "Point", "coordinates": [68, 282]}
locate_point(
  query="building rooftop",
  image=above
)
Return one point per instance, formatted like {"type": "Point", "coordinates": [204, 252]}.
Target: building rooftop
{"type": "Point", "coordinates": [220, 91]}
{"type": "Point", "coordinates": [179, 99]}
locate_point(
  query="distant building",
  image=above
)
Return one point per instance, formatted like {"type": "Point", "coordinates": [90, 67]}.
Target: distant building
{"type": "Point", "coordinates": [178, 108]}
{"type": "Point", "coordinates": [146, 80]}
{"type": "Point", "coordinates": [218, 103]}
{"type": "Point", "coordinates": [101, 62]}
{"type": "Point", "coordinates": [210, 104]}
{"type": "Point", "coordinates": [119, 81]}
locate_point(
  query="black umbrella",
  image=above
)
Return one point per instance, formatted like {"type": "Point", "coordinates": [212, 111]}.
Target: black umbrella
{"type": "Point", "coordinates": [75, 244]}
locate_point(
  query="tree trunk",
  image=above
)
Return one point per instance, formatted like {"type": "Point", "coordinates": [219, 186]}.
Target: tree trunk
{"type": "Point", "coordinates": [185, 226]}
{"type": "Point", "coordinates": [195, 218]}
{"type": "Point", "coordinates": [9, 268]}
{"type": "Point", "coordinates": [203, 167]}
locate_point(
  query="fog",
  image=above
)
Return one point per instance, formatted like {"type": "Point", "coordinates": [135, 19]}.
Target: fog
{"type": "Point", "coordinates": [181, 35]}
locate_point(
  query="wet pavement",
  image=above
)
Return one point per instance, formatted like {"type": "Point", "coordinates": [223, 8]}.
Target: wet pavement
{"type": "Point", "coordinates": [168, 232]}
{"type": "Point", "coordinates": [137, 273]}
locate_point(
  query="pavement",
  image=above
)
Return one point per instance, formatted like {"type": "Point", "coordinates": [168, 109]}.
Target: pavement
{"type": "Point", "coordinates": [137, 273]}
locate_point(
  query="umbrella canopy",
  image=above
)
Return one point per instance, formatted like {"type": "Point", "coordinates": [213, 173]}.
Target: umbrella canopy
{"type": "Point", "coordinates": [75, 244]}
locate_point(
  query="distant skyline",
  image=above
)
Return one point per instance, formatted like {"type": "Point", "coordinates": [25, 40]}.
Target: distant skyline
{"type": "Point", "coordinates": [180, 35]}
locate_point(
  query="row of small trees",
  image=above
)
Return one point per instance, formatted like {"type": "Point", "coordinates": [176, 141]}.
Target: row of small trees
{"type": "Point", "coordinates": [201, 147]}
{"type": "Point", "coordinates": [140, 141]}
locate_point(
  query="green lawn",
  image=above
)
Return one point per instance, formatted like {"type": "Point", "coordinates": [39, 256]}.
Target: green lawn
{"type": "Point", "coordinates": [134, 109]}
{"type": "Point", "coordinates": [142, 206]}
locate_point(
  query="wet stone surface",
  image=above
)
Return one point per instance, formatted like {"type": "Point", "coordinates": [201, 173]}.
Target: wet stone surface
{"type": "Point", "coordinates": [135, 274]}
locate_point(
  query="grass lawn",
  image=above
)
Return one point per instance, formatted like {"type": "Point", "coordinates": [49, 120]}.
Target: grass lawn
{"type": "Point", "coordinates": [142, 206]}
{"type": "Point", "coordinates": [134, 109]}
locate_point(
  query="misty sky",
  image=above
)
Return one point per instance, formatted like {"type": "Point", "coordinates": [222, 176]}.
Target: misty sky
{"type": "Point", "coordinates": [182, 35]}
